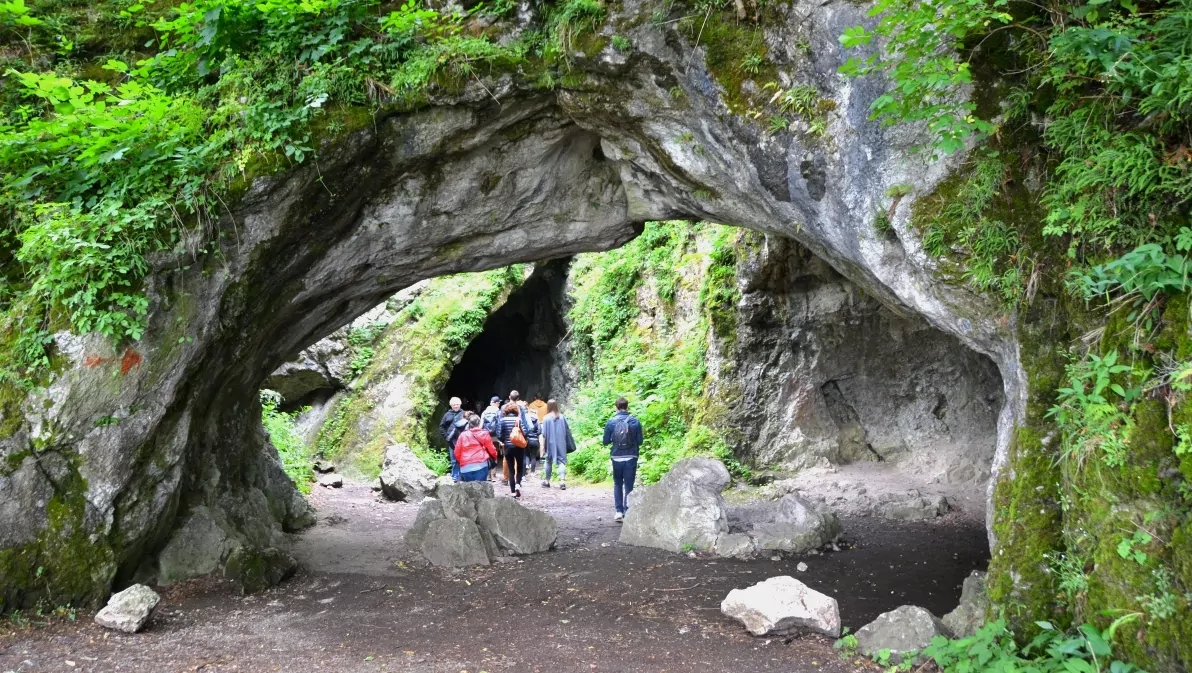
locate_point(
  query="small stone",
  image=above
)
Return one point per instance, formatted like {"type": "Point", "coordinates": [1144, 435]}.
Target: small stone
{"type": "Point", "coordinates": [129, 610]}
{"type": "Point", "coordinates": [331, 481]}
{"type": "Point", "coordinates": [802, 567]}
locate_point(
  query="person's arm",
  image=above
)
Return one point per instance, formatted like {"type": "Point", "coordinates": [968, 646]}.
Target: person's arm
{"type": "Point", "coordinates": [637, 432]}
{"type": "Point", "coordinates": [608, 433]}
{"type": "Point", "coordinates": [488, 445]}
{"type": "Point", "coordinates": [445, 424]}
{"type": "Point", "coordinates": [459, 451]}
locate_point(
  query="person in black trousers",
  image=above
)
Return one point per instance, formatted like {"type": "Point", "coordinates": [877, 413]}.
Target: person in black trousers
{"type": "Point", "coordinates": [514, 455]}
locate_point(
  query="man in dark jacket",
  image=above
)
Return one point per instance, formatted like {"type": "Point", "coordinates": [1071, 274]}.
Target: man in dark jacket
{"type": "Point", "coordinates": [624, 432]}
{"type": "Point", "coordinates": [450, 426]}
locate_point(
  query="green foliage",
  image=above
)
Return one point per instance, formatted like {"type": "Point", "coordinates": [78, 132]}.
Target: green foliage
{"type": "Point", "coordinates": [104, 166]}
{"type": "Point", "coordinates": [969, 224]}
{"type": "Point", "coordinates": [567, 23]}
{"type": "Point", "coordinates": [293, 451]}
{"type": "Point", "coordinates": [1093, 424]}
{"type": "Point", "coordinates": [920, 69]}
{"type": "Point", "coordinates": [660, 369]}
{"type": "Point", "coordinates": [1084, 650]}
{"type": "Point", "coordinates": [622, 43]}
{"type": "Point", "coordinates": [420, 347]}
{"type": "Point", "coordinates": [803, 101]}
{"type": "Point", "coordinates": [1145, 272]}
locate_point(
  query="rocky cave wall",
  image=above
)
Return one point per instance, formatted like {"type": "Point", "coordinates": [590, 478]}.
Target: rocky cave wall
{"type": "Point", "coordinates": [520, 347]}
{"type": "Point", "coordinates": [127, 444]}
{"type": "Point", "coordinates": [826, 375]}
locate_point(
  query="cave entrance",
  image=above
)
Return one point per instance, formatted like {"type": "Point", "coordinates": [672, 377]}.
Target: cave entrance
{"type": "Point", "coordinates": [518, 348]}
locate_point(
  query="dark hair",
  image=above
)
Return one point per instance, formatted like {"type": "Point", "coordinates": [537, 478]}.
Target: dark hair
{"type": "Point", "coordinates": [473, 420]}
{"type": "Point", "coordinates": [552, 406]}
{"type": "Point", "coordinates": [621, 404]}
{"type": "Point", "coordinates": [537, 397]}
{"type": "Point", "coordinates": [514, 396]}
{"type": "Point", "coordinates": [511, 409]}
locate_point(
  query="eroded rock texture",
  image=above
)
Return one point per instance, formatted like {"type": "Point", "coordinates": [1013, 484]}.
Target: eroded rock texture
{"type": "Point", "coordinates": [127, 443]}
{"type": "Point", "coordinates": [827, 375]}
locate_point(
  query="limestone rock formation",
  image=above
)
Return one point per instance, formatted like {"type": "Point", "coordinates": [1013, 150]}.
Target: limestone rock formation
{"type": "Point", "coordinates": [904, 630]}
{"type": "Point", "coordinates": [974, 605]}
{"type": "Point", "coordinates": [465, 525]}
{"type": "Point", "coordinates": [404, 476]}
{"type": "Point", "coordinates": [683, 510]}
{"type": "Point", "coordinates": [454, 542]}
{"type": "Point", "coordinates": [828, 375]}
{"type": "Point", "coordinates": [129, 610]}
{"type": "Point", "coordinates": [782, 605]}
{"type": "Point", "coordinates": [517, 530]}
{"type": "Point", "coordinates": [791, 525]}
{"type": "Point", "coordinates": [132, 438]}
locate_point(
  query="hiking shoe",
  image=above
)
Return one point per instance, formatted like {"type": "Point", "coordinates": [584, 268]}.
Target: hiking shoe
{"type": "Point", "coordinates": [546, 484]}
{"type": "Point", "coordinates": [618, 517]}
{"type": "Point", "coordinates": [562, 487]}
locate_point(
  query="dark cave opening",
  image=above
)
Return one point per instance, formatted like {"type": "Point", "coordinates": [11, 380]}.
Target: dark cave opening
{"type": "Point", "coordinates": [518, 348]}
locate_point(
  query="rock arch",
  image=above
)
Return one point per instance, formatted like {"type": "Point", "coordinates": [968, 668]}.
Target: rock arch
{"type": "Point", "coordinates": [130, 445]}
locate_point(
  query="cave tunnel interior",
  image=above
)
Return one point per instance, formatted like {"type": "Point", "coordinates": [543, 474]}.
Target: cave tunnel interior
{"type": "Point", "coordinates": [518, 348]}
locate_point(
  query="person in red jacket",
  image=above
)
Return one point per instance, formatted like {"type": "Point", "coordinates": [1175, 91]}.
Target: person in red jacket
{"type": "Point", "coordinates": [473, 450]}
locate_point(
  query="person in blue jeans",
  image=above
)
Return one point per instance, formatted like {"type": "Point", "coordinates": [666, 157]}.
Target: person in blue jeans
{"type": "Point", "coordinates": [624, 432]}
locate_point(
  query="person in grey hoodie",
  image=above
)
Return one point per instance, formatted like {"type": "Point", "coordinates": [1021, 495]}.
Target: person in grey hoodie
{"type": "Point", "coordinates": [557, 442]}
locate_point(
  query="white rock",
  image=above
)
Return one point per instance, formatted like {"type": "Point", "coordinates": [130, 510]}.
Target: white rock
{"type": "Point", "coordinates": [802, 567]}
{"type": "Point", "coordinates": [128, 610]}
{"type": "Point", "coordinates": [782, 605]}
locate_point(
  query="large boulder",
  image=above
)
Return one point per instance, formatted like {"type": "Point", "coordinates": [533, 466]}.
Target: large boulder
{"type": "Point", "coordinates": [974, 604]}
{"type": "Point", "coordinates": [782, 605]}
{"type": "Point", "coordinates": [429, 511]}
{"type": "Point", "coordinates": [915, 508]}
{"type": "Point", "coordinates": [461, 500]}
{"type": "Point", "coordinates": [129, 610]}
{"type": "Point", "coordinates": [516, 529]}
{"type": "Point", "coordinates": [454, 542]}
{"type": "Point", "coordinates": [684, 510]}
{"type": "Point", "coordinates": [198, 548]}
{"type": "Point", "coordinates": [255, 570]}
{"type": "Point", "coordinates": [404, 476]}
{"type": "Point", "coordinates": [902, 632]}
{"type": "Point", "coordinates": [797, 527]}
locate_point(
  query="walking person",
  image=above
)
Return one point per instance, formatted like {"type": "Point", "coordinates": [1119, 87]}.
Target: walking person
{"type": "Point", "coordinates": [490, 420]}
{"type": "Point", "coordinates": [473, 449]}
{"type": "Point", "coordinates": [513, 437]}
{"type": "Point", "coordinates": [450, 427]}
{"type": "Point", "coordinates": [557, 442]}
{"type": "Point", "coordinates": [530, 426]}
{"type": "Point", "coordinates": [624, 432]}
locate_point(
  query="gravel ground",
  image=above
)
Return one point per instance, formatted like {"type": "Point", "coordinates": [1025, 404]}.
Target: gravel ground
{"type": "Point", "coordinates": [360, 604]}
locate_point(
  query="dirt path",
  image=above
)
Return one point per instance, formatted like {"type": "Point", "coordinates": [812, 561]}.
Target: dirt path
{"type": "Point", "coordinates": [592, 605]}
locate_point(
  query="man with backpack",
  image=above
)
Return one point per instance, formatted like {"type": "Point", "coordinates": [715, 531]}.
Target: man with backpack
{"type": "Point", "coordinates": [450, 426]}
{"type": "Point", "coordinates": [624, 432]}
{"type": "Point", "coordinates": [490, 420]}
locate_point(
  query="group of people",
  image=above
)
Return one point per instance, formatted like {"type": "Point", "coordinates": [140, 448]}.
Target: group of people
{"type": "Point", "coordinates": [516, 436]}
